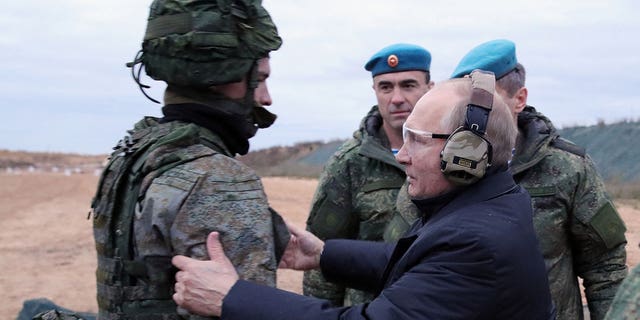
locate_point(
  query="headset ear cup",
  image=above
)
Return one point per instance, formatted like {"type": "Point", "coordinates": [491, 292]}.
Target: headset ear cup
{"type": "Point", "coordinates": [465, 157]}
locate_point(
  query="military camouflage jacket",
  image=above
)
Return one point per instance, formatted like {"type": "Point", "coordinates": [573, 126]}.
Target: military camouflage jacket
{"type": "Point", "coordinates": [177, 208]}
{"type": "Point", "coordinates": [579, 229]}
{"type": "Point", "coordinates": [626, 304]}
{"type": "Point", "coordinates": [355, 198]}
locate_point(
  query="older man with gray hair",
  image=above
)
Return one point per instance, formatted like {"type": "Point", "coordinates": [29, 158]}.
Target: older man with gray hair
{"type": "Point", "coordinates": [472, 254]}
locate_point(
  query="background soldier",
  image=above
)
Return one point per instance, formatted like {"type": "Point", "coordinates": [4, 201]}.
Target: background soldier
{"type": "Point", "coordinates": [579, 229]}
{"type": "Point", "coordinates": [357, 190]}
{"type": "Point", "coordinates": [626, 304]}
{"type": "Point", "coordinates": [173, 180]}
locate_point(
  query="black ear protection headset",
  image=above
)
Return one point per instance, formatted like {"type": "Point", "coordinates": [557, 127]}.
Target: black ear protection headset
{"type": "Point", "coordinates": [466, 155]}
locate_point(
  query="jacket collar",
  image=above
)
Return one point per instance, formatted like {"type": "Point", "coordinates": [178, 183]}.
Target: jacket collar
{"type": "Point", "coordinates": [535, 133]}
{"type": "Point", "coordinates": [487, 188]}
{"type": "Point", "coordinates": [374, 141]}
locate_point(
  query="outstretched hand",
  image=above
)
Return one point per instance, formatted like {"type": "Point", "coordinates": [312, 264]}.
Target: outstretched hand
{"type": "Point", "coordinates": [303, 251]}
{"type": "Point", "coordinates": [202, 285]}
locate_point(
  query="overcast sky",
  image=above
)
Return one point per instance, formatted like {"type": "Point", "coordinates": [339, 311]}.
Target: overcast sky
{"type": "Point", "coordinates": [66, 88]}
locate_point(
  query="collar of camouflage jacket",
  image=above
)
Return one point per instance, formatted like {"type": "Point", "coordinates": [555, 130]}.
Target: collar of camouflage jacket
{"type": "Point", "coordinates": [535, 133]}
{"type": "Point", "coordinates": [373, 140]}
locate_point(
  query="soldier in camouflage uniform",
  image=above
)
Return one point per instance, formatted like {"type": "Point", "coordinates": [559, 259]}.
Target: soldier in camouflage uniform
{"type": "Point", "coordinates": [577, 225]}
{"type": "Point", "coordinates": [626, 304]}
{"type": "Point", "coordinates": [173, 180]}
{"type": "Point", "coordinates": [357, 190]}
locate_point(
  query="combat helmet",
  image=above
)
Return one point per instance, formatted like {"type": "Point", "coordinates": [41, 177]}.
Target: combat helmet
{"type": "Point", "coordinates": [200, 43]}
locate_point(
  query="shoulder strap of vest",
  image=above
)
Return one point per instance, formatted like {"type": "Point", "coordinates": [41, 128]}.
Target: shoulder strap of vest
{"type": "Point", "coordinates": [566, 145]}
{"type": "Point", "coordinates": [166, 154]}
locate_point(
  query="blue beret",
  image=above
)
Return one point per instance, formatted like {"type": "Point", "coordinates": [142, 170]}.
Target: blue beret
{"type": "Point", "coordinates": [497, 56]}
{"type": "Point", "coordinates": [399, 57]}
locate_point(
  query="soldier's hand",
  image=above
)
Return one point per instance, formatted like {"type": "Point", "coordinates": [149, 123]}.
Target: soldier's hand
{"type": "Point", "coordinates": [303, 251]}
{"type": "Point", "coordinates": [202, 285]}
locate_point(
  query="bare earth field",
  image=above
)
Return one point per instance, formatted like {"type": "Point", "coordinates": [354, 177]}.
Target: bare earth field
{"type": "Point", "coordinates": [46, 244]}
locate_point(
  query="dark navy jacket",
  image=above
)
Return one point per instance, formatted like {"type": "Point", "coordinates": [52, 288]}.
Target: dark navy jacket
{"type": "Point", "coordinates": [476, 258]}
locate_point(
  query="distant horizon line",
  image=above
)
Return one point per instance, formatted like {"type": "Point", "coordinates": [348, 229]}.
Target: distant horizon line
{"type": "Point", "coordinates": [599, 122]}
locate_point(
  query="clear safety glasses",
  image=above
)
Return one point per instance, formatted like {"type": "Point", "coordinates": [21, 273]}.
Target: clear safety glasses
{"type": "Point", "coordinates": [418, 136]}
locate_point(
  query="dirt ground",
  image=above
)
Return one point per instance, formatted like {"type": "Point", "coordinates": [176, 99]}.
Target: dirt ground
{"type": "Point", "coordinates": [46, 245]}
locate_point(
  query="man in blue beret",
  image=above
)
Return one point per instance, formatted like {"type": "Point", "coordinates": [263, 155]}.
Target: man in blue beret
{"type": "Point", "coordinates": [579, 230]}
{"type": "Point", "coordinates": [357, 190]}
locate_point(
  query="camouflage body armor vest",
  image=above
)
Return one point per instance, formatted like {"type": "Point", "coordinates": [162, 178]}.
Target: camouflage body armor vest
{"type": "Point", "coordinates": [130, 287]}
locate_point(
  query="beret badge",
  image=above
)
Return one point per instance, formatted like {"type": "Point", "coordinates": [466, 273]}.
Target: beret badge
{"type": "Point", "coordinates": [392, 61]}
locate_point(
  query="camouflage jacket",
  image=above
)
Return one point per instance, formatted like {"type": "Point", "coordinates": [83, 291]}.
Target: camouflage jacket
{"type": "Point", "coordinates": [579, 229]}
{"type": "Point", "coordinates": [355, 198]}
{"type": "Point", "coordinates": [626, 304]}
{"type": "Point", "coordinates": [188, 186]}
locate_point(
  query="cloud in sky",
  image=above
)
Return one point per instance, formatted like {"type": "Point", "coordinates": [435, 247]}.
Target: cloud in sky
{"type": "Point", "coordinates": [66, 89]}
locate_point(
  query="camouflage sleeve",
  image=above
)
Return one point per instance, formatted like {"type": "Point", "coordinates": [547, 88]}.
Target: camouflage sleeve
{"type": "Point", "coordinates": [229, 198]}
{"type": "Point", "coordinates": [331, 217]}
{"type": "Point", "coordinates": [331, 214]}
{"type": "Point", "coordinates": [626, 304]}
{"type": "Point", "coordinates": [599, 241]}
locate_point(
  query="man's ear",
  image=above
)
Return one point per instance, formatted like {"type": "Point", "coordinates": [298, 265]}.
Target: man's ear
{"type": "Point", "coordinates": [430, 85]}
{"type": "Point", "coordinates": [521, 99]}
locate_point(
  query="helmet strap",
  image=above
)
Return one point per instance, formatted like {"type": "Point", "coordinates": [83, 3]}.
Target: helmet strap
{"type": "Point", "coordinates": [137, 61]}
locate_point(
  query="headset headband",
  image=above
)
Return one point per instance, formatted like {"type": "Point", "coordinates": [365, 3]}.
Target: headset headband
{"type": "Point", "coordinates": [483, 86]}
